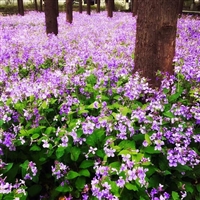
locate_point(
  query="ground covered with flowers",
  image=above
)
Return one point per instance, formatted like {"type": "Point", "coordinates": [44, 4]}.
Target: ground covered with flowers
{"type": "Point", "coordinates": [76, 124]}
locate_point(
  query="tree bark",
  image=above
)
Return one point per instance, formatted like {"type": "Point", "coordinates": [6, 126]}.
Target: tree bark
{"type": "Point", "coordinates": [41, 7]}
{"type": "Point", "coordinates": [135, 7]}
{"type": "Point", "coordinates": [80, 6]}
{"type": "Point", "coordinates": [36, 6]}
{"type": "Point", "coordinates": [69, 11]}
{"type": "Point", "coordinates": [88, 7]}
{"type": "Point", "coordinates": [20, 7]}
{"type": "Point", "coordinates": [110, 8]}
{"type": "Point", "coordinates": [155, 38]}
{"type": "Point", "coordinates": [98, 6]}
{"type": "Point", "coordinates": [57, 8]}
{"type": "Point", "coordinates": [51, 17]}
{"type": "Point", "coordinates": [180, 7]}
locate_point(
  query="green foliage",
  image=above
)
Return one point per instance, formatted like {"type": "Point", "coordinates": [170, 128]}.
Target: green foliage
{"type": "Point", "coordinates": [60, 142]}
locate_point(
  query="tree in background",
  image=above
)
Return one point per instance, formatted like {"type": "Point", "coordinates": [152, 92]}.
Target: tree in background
{"type": "Point", "coordinates": [180, 7]}
{"type": "Point", "coordinates": [20, 6]}
{"type": "Point", "coordinates": [51, 16]}
{"type": "Point", "coordinates": [155, 37]}
{"type": "Point", "coordinates": [57, 8]}
{"type": "Point", "coordinates": [41, 7]}
{"type": "Point", "coordinates": [88, 7]}
{"type": "Point", "coordinates": [98, 6]}
{"type": "Point", "coordinates": [134, 7]}
{"type": "Point", "coordinates": [36, 6]}
{"type": "Point", "coordinates": [110, 8]}
{"type": "Point", "coordinates": [69, 11]}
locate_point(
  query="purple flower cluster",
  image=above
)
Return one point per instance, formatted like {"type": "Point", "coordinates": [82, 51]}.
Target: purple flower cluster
{"type": "Point", "coordinates": [59, 170]}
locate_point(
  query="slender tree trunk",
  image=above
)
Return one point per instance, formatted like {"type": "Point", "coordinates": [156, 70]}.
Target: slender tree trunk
{"type": "Point", "coordinates": [180, 7]}
{"type": "Point", "coordinates": [57, 8]}
{"type": "Point", "coordinates": [155, 38]}
{"type": "Point", "coordinates": [41, 7]}
{"type": "Point", "coordinates": [80, 6]}
{"type": "Point", "coordinates": [51, 17]}
{"type": "Point", "coordinates": [69, 11]}
{"type": "Point", "coordinates": [98, 6]}
{"type": "Point", "coordinates": [20, 7]}
{"type": "Point", "coordinates": [135, 7]}
{"type": "Point", "coordinates": [88, 7]}
{"type": "Point", "coordinates": [36, 6]}
{"type": "Point", "coordinates": [110, 8]}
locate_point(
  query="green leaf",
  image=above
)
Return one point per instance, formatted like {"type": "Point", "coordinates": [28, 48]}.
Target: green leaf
{"type": "Point", "coordinates": [126, 144]}
{"type": "Point", "coordinates": [84, 172]}
{"type": "Point", "coordinates": [72, 174]}
{"type": "Point", "coordinates": [80, 182]}
{"type": "Point", "coordinates": [86, 164]}
{"type": "Point", "coordinates": [7, 167]}
{"type": "Point", "coordinates": [75, 152]}
{"type": "Point", "coordinates": [198, 187]}
{"type": "Point", "coordinates": [125, 110]}
{"type": "Point", "coordinates": [189, 188]}
{"type": "Point", "coordinates": [115, 165]}
{"type": "Point", "coordinates": [35, 136]}
{"type": "Point", "coordinates": [60, 152]}
{"type": "Point", "coordinates": [151, 150]}
{"type": "Point", "coordinates": [130, 186]}
{"type": "Point", "coordinates": [35, 148]}
{"type": "Point", "coordinates": [96, 137]}
{"type": "Point", "coordinates": [114, 188]}
{"type": "Point", "coordinates": [34, 190]}
{"type": "Point", "coordinates": [168, 114]}
{"type": "Point", "coordinates": [175, 195]}
{"type": "Point", "coordinates": [65, 188]}
{"type": "Point", "coordinates": [49, 130]}
{"type": "Point", "coordinates": [175, 96]}
{"type": "Point", "coordinates": [1, 123]}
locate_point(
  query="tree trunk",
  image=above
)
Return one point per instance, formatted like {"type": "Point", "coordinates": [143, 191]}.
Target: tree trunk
{"type": "Point", "coordinates": [57, 8]}
{"type": "Point", "coordinates": [36, 6]}
{"type": "Point", "coordinates": [135, 7]}
{"type": "Point", "coordinates": [41, 7]}
{"type": "Point", "coordinates": [110, 8]}
{"type": "Point", "coordinates": [69, 11]}
{"type": "Point", "coordinates": [51, 16]}
{"type": "Point", "coordinates": [106, 4]}
{"type": "Point", "coordinates": [155, 38]}
{"type": "Point", "coordinates": [98, 6]}
{"type": "Point", "coordinates": [180, 7]}
{"type": "Point", "coordinates": [113, 5]}
{"type": "Point", "coordinates": [20, 7]}
{"type": "Point", "coordinates": [80, 6]}
{"type": "Point", "coordinates": [88, 7]}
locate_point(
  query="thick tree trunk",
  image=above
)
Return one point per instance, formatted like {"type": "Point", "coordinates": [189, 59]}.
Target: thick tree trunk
{"type": "Point", "coordinates": [57, 8]}
{"type": "Point", "coordinates": [88, 7]}
{"type": "Point", "coordinates": [98, 6]}
{"type": "Point", "coordinates": [80, 6]}
{"type": "Point", "coordinates": [110, 8]}
{"type": "Point", "coordinates": [155, 38]}
{"type": "Point", "coordinates": [180, 7]}
{"type": "Point", "coordinates": [135, 7]}
{"type": "Point", "coordinates": [41, 7]}
{"type": "Point", "coordinates": [69, 11]}
{"type": "Point", "coordinates": [20, 7]}
{"type": "Point", "coordinates": [36, 6]}
{"type": "Point", "coordinates": [51, 16]}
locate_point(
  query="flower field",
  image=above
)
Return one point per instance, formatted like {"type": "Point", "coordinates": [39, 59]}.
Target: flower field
{"type": "Point", "coordinates": [75, 123]}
